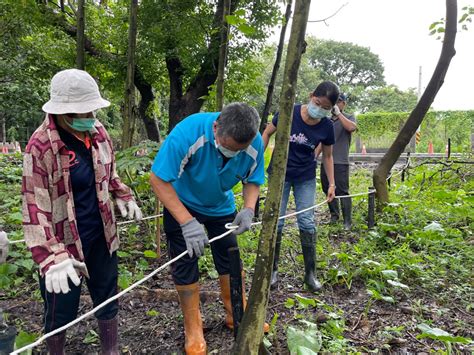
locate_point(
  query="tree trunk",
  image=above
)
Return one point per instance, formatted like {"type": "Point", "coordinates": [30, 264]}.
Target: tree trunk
{"type": "Point", "coordinates": [276, 68]}
{"type": "Point", "coordinates": [80, 39]}
{"type": "Point", "coordinates": [182, 105]}
{"type": "Point", "coordinates": [250, 334]}
{"type": "Point", "coordinates": [129, 109]}
{"type": "Point", "coordinates": [418, 113]}
{"type": "Point", "coordinates": [145, 113]}
{"type": "Point", "coordinates": [146, 90]}
{"type": "Point", "coordinates": [222, 57]}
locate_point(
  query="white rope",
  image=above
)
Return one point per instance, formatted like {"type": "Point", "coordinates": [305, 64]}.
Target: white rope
{"type": "Point", "coordinates": [143, 219]}
{"type": "Point", "coordinates": [358, 194]}
{"type": "Point", "coordinates": [161, 214]}
{"type": "Point", "coordinates": [138, 283]}
{"type": "Point", "coordinates": [16, 241]}
{"type": "Point", "coordinates": [400, 171]}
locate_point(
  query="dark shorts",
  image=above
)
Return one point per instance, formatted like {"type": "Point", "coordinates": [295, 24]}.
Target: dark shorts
{"type": "Point", "coordinates": [185, 271]}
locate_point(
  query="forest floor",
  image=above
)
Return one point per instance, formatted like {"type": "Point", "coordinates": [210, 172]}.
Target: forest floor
{"type": "Point", "coordinates": [357, 310]}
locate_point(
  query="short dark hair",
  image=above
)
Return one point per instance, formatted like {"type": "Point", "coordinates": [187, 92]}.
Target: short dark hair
{"type": "Point", "coordinates": [327, 89]}
{"type": "Point", "coordinates": [238, 121]}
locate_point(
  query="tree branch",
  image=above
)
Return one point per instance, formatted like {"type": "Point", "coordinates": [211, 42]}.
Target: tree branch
{"type": "Point", "coordinates": [330, 16]}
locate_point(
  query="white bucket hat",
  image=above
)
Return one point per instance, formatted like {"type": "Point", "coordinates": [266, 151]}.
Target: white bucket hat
{"type": "Point", "coordinates": [74, 91]}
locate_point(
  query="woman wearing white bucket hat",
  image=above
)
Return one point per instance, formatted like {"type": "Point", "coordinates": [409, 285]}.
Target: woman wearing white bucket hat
{"type": "Point", "coordinates": [69, 224]}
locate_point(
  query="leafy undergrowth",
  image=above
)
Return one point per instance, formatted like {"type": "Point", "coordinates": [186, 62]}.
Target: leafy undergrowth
{"type": "Point", "coordinates": [406, 285]}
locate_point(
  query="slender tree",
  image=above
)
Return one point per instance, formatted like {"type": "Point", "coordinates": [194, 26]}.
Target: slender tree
{"type": "Point", "coordinates": [80, 39]}
{"type": "Point", "coordinates": [276, 68]}
{"type": "Point", "coordinates": [250, 335]}
{"type": "Point", "coordinates": [129, 107]}
{"type": "Point", "coordinates": [222, 56]}
{"type": "Point", "coordinates": [416, 116]}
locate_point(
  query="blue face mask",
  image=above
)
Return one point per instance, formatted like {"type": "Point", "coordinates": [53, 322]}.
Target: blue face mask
{"type": "Point", "coordinates": [226, 152]}
{"type": "Point", "coordinates": [81, 124]}
{"type": "Point", "coordinates": [316, 112]}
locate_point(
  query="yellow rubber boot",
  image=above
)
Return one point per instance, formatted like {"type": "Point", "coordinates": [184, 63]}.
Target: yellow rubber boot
{"type": "Point", "coordinates": [194, 337]}
{"type": "Point", "coordinates": [224, 281]}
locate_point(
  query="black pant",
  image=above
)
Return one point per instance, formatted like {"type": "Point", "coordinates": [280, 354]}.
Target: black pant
{"type": "Point", "coordinates": [185, 271]}
{"type": "Point", "coordinates": [341, 178]}
{"type": "Point", "coordinates": [60, 308]}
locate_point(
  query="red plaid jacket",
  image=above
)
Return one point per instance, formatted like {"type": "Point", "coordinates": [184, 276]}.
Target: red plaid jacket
{"type": "Point", "coordinates": [49, 219]}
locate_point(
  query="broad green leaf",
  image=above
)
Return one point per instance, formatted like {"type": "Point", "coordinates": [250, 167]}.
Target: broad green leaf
{"type": "Point", "coordinates": [246, 29]}
{"type": "Point", "coordinates": [390, 274]}
{"type": "Point", "coordinates": [150, 254]}
{"type": "Point", "coordinates": [388, 299]}
{"type": "Point", "coordinates": [290, 303]}
{"type": "Point", "coordinates": [91, 337]}
{"type": "Point", "coordinates": [309, 339]}
{"type": "Point", "coordinates": [122, 254]}
{"type": "Point", "coordinates": [397, 284]}
{"type": "Point", "coordinates": [23, 338]}
{"type": "Point", "coordinates": [434, 226]}
{"type": "Point", "coordinates": [305, 302]}
{"type": "Point", "coordinates": [232, 20]}
{"type": "Point", "coordinates": [439, 334]}
{"type": "Point", "coordinates": [152, 313]}
{"type": "Point", "coordinates": [8, 269]}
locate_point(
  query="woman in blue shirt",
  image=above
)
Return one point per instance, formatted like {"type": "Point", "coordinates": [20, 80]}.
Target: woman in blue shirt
{"type": "Point", "coordinates": [310, 127]}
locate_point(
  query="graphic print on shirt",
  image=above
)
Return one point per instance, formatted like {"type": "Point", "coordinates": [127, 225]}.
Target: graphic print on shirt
{"type": "Point", "coordinates": [301, 139]}
{"type": "Point", "coordinates": [72, 158]}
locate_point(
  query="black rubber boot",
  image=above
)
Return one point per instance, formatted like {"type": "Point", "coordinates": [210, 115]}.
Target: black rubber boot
{"type": "Point", "coordinates": [56, 343]}
{"type": "Point", "coordinates": [276, 259]}
{"type": "Point", "coordinates": [334, 210]}
{"type": "Point", "coordinates": [308, 245]}
{"type": "Point", "coordinates": [346, 204]}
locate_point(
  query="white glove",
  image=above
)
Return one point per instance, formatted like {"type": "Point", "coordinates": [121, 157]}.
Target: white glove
{"type": "Point", "coordinates": [133, 209]}
{"type": "Point", "coordinates": [335, 111]}
{"type": "Point", "coordinates": [56, 278]}
{"type": "Point", "coordinates": [3, 247]}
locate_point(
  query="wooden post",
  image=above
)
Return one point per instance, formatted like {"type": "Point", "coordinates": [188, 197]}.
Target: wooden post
{"type": "Point", "coordinates": [371, 211]}
{"type": "Point", "coordinates": [257, 207]}
{"type": "Point", "coordinates": [236, 287]}
{"type": "Point", "coordinates": [158, 230]}
{"type": "Point", "coordinates": [449, 148]}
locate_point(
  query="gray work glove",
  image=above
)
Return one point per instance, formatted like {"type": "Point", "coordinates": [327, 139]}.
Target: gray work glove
{"type": "Point", "coordinates": [3, 246]}
{"type": "Point", "coordinates": [335, 111]}
{"type": "Point", "coordinates": [243, 220]}
{"type": "Point", "coordinates": [195, 237]}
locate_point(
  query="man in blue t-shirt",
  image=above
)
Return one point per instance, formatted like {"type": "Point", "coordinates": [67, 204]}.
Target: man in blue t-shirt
{"type": "Point", "coordinates": [197, 166]}
{"type": "Point", "coordinates": [310, 127]}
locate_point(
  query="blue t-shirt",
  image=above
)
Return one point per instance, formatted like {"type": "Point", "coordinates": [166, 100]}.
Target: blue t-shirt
{"type": "Point", "coordinates": [86, 205]}
{"type": "Point", "coordinates": [303, 141]}
{"type": "Point", "coordinates": [189, 159]}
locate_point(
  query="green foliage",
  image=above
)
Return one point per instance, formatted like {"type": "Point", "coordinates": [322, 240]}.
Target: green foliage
{"type": "Point", "coordinates": [91, 337]}
{"type": "Point", "coordinates": [352, 67]}
{"type": "Point", "coordinates": [304, 341]}
{"type": "Point", "coordinates": [388, 99]}
{"type": "Point", "coordinates": [379, 129]}
{"type": "Point", "coordinates": [437, 28]}
{"type": "Point", "coordinates": [345, 63]}
{"type": "Point", "coordinates": [439, 334]}
{"type": "Point", "coordinates": [24, 338]}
